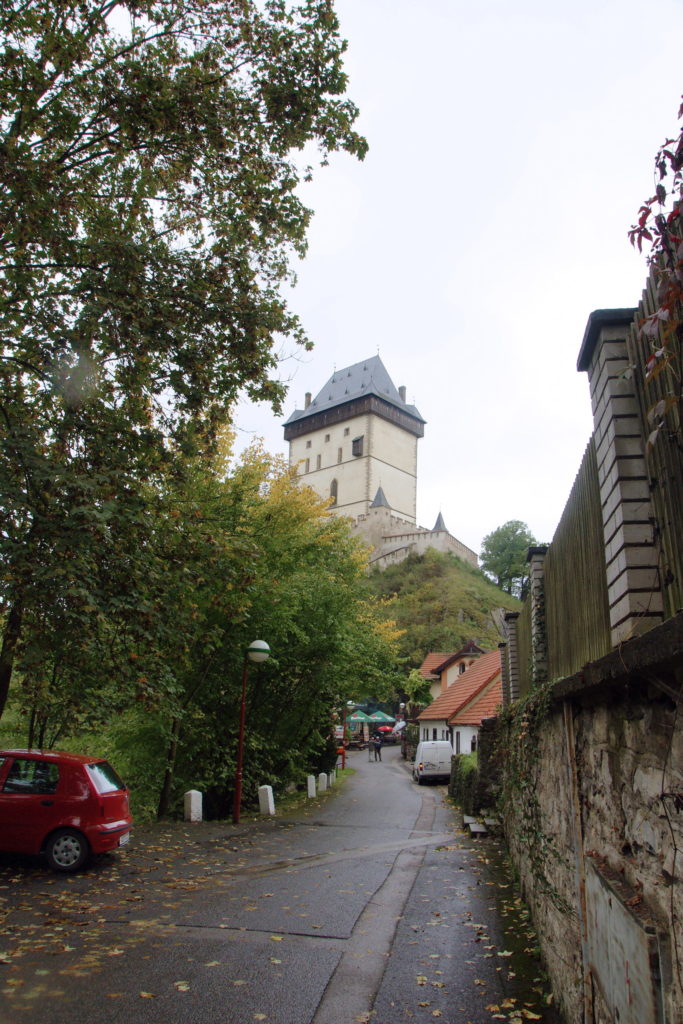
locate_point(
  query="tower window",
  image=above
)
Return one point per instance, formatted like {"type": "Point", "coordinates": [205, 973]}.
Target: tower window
{"type": "Point", "coordinates": [333, 492]}
{"type": "Point", "coordinates": [346, 431]}
{"type": "Point", "coordinates": [327, 437]}
{"type": "Point", "coordinates": [318, 460]}
{"type": "Point", "coordinates": [308, 444]}
{"type": "Point", "coordinates": [339, 454]}
{"type": "Point", "coordinates": [308, 466]}
{"type": "Point", "coordinates": [357, 446]}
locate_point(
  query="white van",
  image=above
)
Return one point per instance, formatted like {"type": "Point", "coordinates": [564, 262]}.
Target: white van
{"type": "Point", "coordinates": [432, 761]}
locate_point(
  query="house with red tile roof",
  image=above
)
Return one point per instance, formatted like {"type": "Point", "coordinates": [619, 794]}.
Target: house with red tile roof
{"type": "Point", "coordinates": [442, 669]}
{"type": "Point", "coordinates": [458, 712]}
{"type": "Point", "coordinates": [454, 665]}
{"type": "Point", "coordinates": [426, 670]}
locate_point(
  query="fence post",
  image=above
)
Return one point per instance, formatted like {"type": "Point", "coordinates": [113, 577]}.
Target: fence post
{"type": "Point", "coordinates": [539, 639]}
{"type": "Point", "coordinates": [265, 800]}
{"type": "Point", "coordinates": [193, 805]}
{"type": "Point", "coordinates": [512, 652]}
{"type": "Point", "coordinates": [504, 673]}
{"type": "Point", "coordinates": [633, 584]}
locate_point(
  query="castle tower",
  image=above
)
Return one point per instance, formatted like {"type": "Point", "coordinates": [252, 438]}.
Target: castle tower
{"type": "Point", "coordinates": [357, 437]}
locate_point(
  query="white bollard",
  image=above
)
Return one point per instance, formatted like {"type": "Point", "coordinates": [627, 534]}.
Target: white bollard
{"type": "Point", "coordinates": [193, 805]}
{"type": "Point", "coordinates": [310, 783]}
{"type": "Point", "coordinates": [322, 782]}
{"type": "Point", "coordinates": [265, 800]}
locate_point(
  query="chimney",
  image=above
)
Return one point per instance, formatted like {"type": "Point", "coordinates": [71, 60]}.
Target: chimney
{"type": "Point", "coordinates": [307, 400]}
{"type": "Point", "coordinates": [402, 393]}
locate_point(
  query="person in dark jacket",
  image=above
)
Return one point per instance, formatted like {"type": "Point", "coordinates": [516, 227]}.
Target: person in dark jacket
{"type": "Point", "coordinates": [377, 744]}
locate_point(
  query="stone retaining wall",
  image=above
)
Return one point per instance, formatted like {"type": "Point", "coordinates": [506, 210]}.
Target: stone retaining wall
{"type": "Point", "coordinates": [591, 793]}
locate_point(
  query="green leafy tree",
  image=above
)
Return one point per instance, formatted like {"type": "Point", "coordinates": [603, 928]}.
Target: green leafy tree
{"type": "Point", "coordinates": [439, 603]}
{"type": "Point", "coordinates": [149, 214]}
{"type": "Point", "coordinates": [504, 556]}
{"type": "Point", "coordinates": [249, 555]}
{"type": "Point", "coordinates": [306, 601]}
{"type": "Point", "coordinates": [417, 688]}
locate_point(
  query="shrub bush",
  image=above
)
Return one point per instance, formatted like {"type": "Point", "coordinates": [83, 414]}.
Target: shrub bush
{"type": "Point", "coordinates": [464, 780]}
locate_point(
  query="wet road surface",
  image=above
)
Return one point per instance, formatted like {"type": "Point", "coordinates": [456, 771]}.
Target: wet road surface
{"type": "Point", "coordinates": [371, 904]}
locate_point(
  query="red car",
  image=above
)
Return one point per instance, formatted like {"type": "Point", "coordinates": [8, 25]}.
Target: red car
{"type": "Point", "coordinates": [64, 806]}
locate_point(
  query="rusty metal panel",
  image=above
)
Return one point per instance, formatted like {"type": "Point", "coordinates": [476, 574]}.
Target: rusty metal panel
{"type": "Point", "coordinates": [623, 949]}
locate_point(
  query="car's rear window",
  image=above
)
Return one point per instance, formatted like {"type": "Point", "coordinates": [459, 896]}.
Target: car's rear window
{"type": "Point", "coordinates": [104, 777]}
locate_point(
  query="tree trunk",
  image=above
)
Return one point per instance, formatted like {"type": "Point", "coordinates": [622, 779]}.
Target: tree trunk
{"type": "Point", "coordinates": [10, 641]}
{"type": "Point", "coordinates": [31, 729]}
{"type": "Point", "coordinates": [165, 795]}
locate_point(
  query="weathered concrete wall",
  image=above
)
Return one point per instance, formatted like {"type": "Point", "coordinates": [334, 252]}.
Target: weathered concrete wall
{"type": "Point", "coordinates": [591, 791]}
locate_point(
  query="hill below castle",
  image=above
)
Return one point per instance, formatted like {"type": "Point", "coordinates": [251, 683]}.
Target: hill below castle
{"type": "Point", "coordinates": [441, 602]}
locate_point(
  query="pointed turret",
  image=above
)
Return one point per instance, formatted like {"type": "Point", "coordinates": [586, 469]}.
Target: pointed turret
{"type": "Point", "coordinates": [380, 500]}
{"type": "Point", "coordinates": [439, 525]}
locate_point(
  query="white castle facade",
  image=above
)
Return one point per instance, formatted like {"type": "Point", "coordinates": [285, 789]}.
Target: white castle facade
{"type": "Point", "coordinates": [356, 444]}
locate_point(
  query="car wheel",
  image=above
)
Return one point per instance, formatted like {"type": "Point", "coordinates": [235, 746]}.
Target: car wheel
{"type": "Point", "coordinates": [67, 850]}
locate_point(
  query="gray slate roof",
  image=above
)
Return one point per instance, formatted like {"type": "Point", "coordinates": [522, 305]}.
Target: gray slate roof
{"type": "Point", "coordinates": [380, 500]}
{"type": "Point", "coordinates": [439, 525]}
{"type": "Point", "coordinates": [368, 377]}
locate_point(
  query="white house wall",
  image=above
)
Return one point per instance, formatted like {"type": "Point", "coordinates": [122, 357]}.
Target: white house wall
{"type": "Point", "coordinates": [442, 730]}
{"type": "Point", "coordinates": [462, 738]}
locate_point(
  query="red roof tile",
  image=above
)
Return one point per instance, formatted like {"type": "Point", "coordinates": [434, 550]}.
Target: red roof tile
{"type": "Point", "coordinates": [468, 650]}
{"type": "Point", "coordinates": [431, 661]}
{"type": "Point", "coordinates": [483, 706]}
{"type": "Point", "coordinates": [461, 692]}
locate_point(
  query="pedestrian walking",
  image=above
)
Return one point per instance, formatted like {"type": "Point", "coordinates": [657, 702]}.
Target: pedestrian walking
{"type": "Point", "coordinates": [377, 744]}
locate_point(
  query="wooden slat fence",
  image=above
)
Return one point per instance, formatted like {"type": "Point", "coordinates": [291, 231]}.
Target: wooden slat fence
{"type": "Point", "coordinates": [664, 457]}
{"type": "Point", "coordinates": [576, 601]}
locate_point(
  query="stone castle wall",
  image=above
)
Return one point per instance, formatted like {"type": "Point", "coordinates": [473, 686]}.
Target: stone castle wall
{"type": "Point", "coordinates": [393, 539]}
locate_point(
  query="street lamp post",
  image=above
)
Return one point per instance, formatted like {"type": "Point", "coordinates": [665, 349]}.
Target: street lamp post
{"type": "Point", "coordinates": [257, 651]}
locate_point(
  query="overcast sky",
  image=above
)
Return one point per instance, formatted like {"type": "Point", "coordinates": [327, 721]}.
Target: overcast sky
{"type": "Point", "coordinates": [510, 148]}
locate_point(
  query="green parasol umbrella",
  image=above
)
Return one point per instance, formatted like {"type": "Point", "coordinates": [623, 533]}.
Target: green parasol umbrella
{"type": "Point", "coordinates": [357, 718]}
{"type": "Point", "coordinates": [379, 716]}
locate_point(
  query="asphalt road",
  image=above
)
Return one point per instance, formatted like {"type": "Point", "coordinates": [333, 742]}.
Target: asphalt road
{"type": "Point", "coordinates": [371, 904]}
